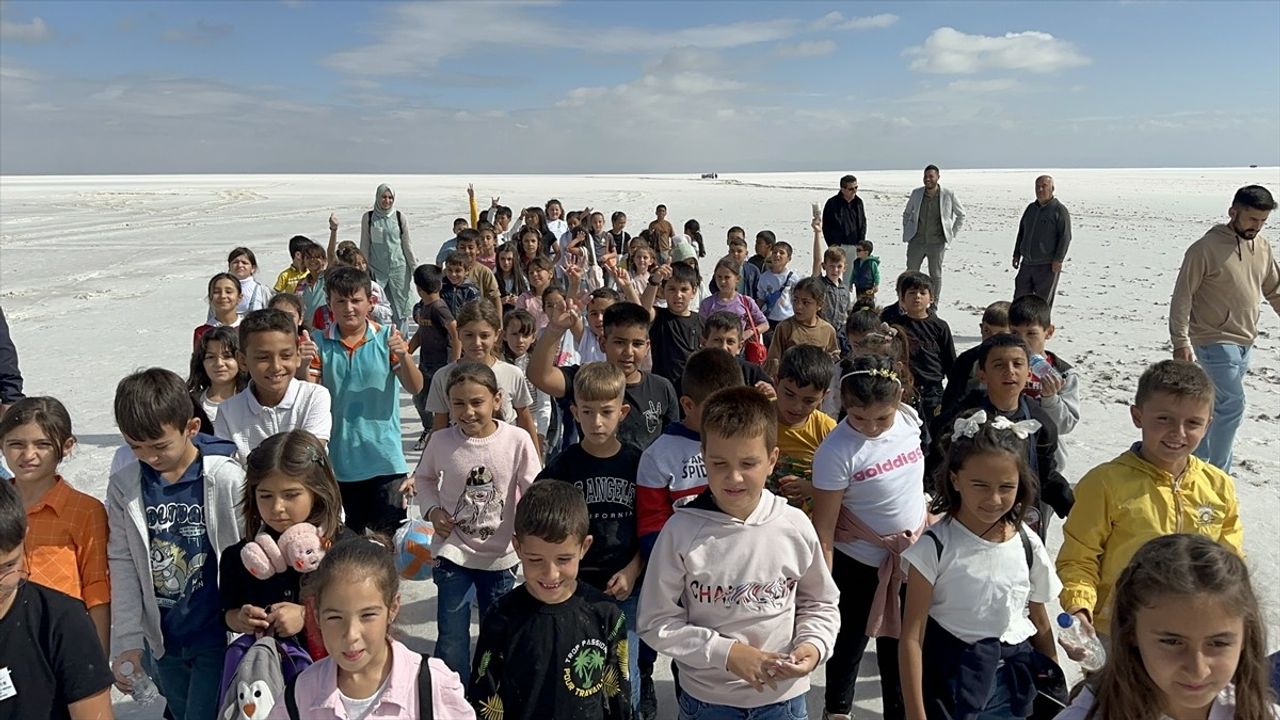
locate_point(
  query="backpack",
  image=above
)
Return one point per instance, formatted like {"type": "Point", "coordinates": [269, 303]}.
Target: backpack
{"type": "Point", "coordinates": [368, 223]}
{"type": "Point", "coordinates": [426, 710]}
{"type": "Point", "coordinates": [771, 298]}
{"type": "Point", "coordinates": [256, 673]}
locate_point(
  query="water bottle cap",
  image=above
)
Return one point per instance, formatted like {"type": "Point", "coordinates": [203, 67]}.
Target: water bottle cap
{"type": "Point", "coordinates": [126, 668]}
{"type": "Point", "coordinates": [1065, 620]}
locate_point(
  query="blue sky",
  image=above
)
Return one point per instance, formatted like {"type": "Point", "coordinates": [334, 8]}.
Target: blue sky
{"type": "Point", "coordinates": [303, 86]}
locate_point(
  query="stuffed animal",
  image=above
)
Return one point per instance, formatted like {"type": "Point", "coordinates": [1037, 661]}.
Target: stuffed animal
{"type": "Point", "coordinates": [299, 547]}
{"type": "Point", "coordinates": [262, 557]}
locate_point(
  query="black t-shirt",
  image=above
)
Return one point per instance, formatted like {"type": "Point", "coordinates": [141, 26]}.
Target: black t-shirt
{"type": "Point", "coordinates": [609, 485]}
{"type": "Point", "coordinates": [541, 661]}
{"type": "Point", "coordinates": [433, 333]}
{"type": "Point", "coordinates": [50, 650]}
{"type": "Point", "coordinates": [653, 404]}
{"type": "Point", "coordinates": [753, 373]}
{"type": "Point", "coordinates": [674, 339]}
{"type": "Point", "coordinates": [933, 352]}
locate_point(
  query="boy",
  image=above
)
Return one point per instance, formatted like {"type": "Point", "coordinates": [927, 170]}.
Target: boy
{"type": "Point", "coordinates": [933, 352]}
{"type": "Point", "coordinates": [828, 266]}
{"type": "Point", "coordinates": [171, 512]}
{"type": "Point", "coordinates": [436, 337]}
{"type": "Point", "coordinates": [1003, 363]}
{"type": "Point", "coordinates": [676, 328]}
{"type": "Point", "coordinates": [552, 647]}
{"type": "Point", "coordinates": [590, 347]}
{"type": "Point", "coordinates": [738, 592]}
{"type": "Point", "coordinates": [723, 330]}
{"type": "Point", "coordinates": [963, 378]}
{"type": "Point", "coordinates": [774, 288]}
{"type": "Point", "coordinates": [363, 364]}
{"type": "Point", "coordinates": [448, 246]}
{"type": "Point", "coordinates": [804, 327]}
{"type": "Point", "coordinates": [804, 379]}
{"type": "Point", "coordinates": [865, 272]}
{"type": "Point", "coordinates": [626, 344]}
{"type": "Point", "coordinates": [1155, 488]}
{"type": "Point", "coordinates": [604, 471]}
{"type": "Point", "coordinates": [660, 224]}
{"type": "Point", "coordinates": [1030, 318]}
{"type": "Point", "coordinates": [458, 288]}
{"type": "Point", "coordinates": [53, 665]}
{"type": "Point", "coordinates": [469, 246]}
{"type": "Point", "coordinates": [275, 401]}
{"type": "Point", "coordinates": [764, 246]}
{"type": "Point", "coordinates": [287, 280]}
{"type": "Point", "coordinates": [750, 280]}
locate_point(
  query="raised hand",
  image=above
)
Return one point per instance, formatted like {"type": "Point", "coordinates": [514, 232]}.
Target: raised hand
{"type": "Point", "coordinates": [396, 343]}
{"type": "Point", "coordinates": [471, 190]}
{"type": "Point", "coordinates": [306, 348]}
{"type": "Point", "coordinates": [333, 221]}
{"type": "Point", "coordinates": [620, 274]}
{"type": "Point", "coordinates": [566, 319]}
{"type": "Point", "coordinates": [816, 225]}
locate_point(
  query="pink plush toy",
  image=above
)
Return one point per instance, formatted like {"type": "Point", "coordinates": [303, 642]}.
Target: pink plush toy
{"type": "Point", "coordinates": [299, 548]}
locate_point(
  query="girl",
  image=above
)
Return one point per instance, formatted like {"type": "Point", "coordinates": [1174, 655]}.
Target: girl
{"type": "Point", "coordinates": [534, 219]}
{"type": "Point", "coordinates": [540, 274]}
{"type": "Point", "coordinates": [242, 263]}
{"type": "Point", "coordinates": [530, 244]}
{"type": "Point", "coordinates": [640, 262]}
{"type": "Point", "coordinates": [555, 218]}
{"type": "Point", "coordinates": [288, 480]}
{"type": "Point", "coordinates": [290, 304]}
{"type": "Point", "coordinates": [510, 276]}
{"type": "Point", "coordinates": [694, 232]}
{"type": "Point", "coordinates": [215, 372]}
{"type": "Point", "coordinates": [224, 297]}
{"type": "Point", "coordinates": [804, 327]}
{"type": "Point", "coordinates": [868, 336]}
{"type": "Point", "coordinates": [867, 509]}
{"type": "Point", "coordinates": [1188, 640]}
{"type": "Point", "coordinates": [66, 543]}
{"type": "Point", "coordinates": [519, 331]}
{"type": "Point", "coordinates": [727, 274]}
{"type": "Point", "coordinates": [368, 673]}
{"type": "Point", "coordinates": [470, 478]}
{"type": "Point", "coordinates": [384, 240]}
{"type": "Point", "coordinates": [964, 649]}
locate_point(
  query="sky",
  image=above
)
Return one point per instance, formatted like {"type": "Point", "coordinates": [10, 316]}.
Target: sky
{"type": "Point", "coordinates": [305, 86]}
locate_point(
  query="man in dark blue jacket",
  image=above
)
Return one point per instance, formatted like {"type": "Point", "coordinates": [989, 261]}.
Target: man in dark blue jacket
{"type": "Point", "coordinates": [10, 376]}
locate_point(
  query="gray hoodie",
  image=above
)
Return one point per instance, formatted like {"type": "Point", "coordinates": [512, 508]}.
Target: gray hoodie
{"type": "Point", "coordinates": [714, 580]}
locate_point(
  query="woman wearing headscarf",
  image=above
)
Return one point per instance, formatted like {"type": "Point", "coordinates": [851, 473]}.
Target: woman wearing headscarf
{"type": "Point", "coordinates": [384, 240]}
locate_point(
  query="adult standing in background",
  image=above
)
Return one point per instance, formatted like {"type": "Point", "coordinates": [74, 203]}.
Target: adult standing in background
{"type": "Point", "coordinates": [1213, 315]}
{"type": "Point", "coordinates": [384, 240]}
{"type": "Point", "coordinates": [844, 222]}
{"type": "Point", "coordinates": [10, 375]}
{"type": "Point", "coordinates": [932, 219]}
{"type": "Point", "coordinates": [1043, 236]}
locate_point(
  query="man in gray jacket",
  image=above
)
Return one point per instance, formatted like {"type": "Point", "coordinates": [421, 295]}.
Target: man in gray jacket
{"type": "Point", "coordinates": [930, 222]}
{"type": "Point", "coordinates": [1043, 236]}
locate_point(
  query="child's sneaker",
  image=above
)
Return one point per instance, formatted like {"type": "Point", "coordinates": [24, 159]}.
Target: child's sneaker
{"type": "Point", "coordinates": [835, 716]}
{"type": "Point", "coordinates": [648, 699]}
{"type": "Point", "coordinates": [421, 444]}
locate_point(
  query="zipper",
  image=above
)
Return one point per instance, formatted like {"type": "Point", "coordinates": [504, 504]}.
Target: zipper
{"type": "Point", "coordinates": [1177, 500]}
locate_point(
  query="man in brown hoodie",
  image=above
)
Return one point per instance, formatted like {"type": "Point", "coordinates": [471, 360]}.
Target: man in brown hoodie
{"type": "Point", "coordinates": [1213, 316]}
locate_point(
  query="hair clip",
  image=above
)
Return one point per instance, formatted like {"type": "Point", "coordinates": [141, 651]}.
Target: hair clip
{"type": "Point", "coordinates": [967, 427]}
{"type": "Point", "coordinates": [316, 456]}
{"type": "Point", "coordinates": [373, 539]}
{"type": "Point", "coordinates": [874, 372]}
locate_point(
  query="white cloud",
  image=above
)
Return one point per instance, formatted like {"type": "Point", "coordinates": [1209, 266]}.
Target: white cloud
{"type": "Point", "coordinates": [807, 48]}
{"type": "Point", "coordinates": [949, 51]}
{"type": "Point", "coordinates": [983, 87]}
{"type": "Point", "coordinates": [871, 22]}
{"type": "Point", "coordinates": [35, 31]}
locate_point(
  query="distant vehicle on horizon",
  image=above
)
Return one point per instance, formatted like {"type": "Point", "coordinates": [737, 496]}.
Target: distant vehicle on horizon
{"type": "Point", "coordinates": [713, 176]}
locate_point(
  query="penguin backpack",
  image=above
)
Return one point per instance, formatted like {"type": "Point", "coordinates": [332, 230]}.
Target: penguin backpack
{"type": "Point", "coordinates": [258, 683]}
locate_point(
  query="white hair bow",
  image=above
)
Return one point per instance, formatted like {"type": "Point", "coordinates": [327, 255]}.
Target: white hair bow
{"type": "Point", "coordinates": [967, 427]}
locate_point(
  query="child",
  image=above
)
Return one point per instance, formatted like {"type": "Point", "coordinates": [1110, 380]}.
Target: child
{"type": "Point", "coordinates": [933, 352]}
{"type": "Point", "coordinates": [469, 246]}
{"type": "Point", "coordinates": [640, 261]}
{"type": "Point", "coordinates": [216, 373]}
{"type": "Point", "coordinates": [348, 253]}
{"type": "Point", "coordinates": [553, 647]}
{"type": "Point", "coordinates": [803, 381]}
{"type": "Point", "coordinates": [750, 274]}
{"type": "Point", "coordinates": [765, 240]}
{"type": "Point", "coordinates": [1002, 368]}
{"type": "Point", "coordinates": [363, 365]}
{"type": "Point", "coordinates": [1189, 639]}
{"type": "Point", "coordinates": [554, 212]}
{"type": "Point", "coordinates": [479, 332]}
{"type": "Point", "coordinates": [693, 231]}
{"type": "Point", "coordinates": [1059, 397]}
{"type": "Point", "coordinates": [275, 400]}
{"type": "Point", "coordinates": [1155, 488]}
{"type": "Point", "coordinates": [727, 279]}
{"type": "Point", "coordinates": [469, 480]}
{"type": "Point", "coordinates": [53, 665]}
{"type": "Point", "coordinates": [457, 289]}
{"type": "Point", "coordinates": [590, 347]}
{"type": "Point", "coordinates": [288, 480]}
{"type": "Point", "coordinates": [865, 273]}
{"type": "Point", "coordinates": [510, 276]}
{"type": "Point", "coordinates": [311, 288]}
{"type": "Point", "coordinates": [529, 244]}
{"type": "Point", "coordinates": [171, 513]}
{"type": "Point", "coordinates": [660, 224]}
{"type": "Point", "coordinates": [487, 252]}
{"type": "Point", "coordinates": [540, 275]}
{"type": "Point", "coordinates": [965, 631]}
{"type": "Point", "coordinates": [243, 264]}
{"type": "Point", "coordinates": [436, 339]}
{"type": "Point", "coordinates": [737, 591]}
{"type": "Point", "coordinates": [676, 329]}
{"type": "Point", "coordinates": [626, 344]}
{"type": "Point", "coordinates": [828, 267]}
{"type": "Point", "coordinates": [775, 286]}
{"type": "Point", "coordinates": [804, 327]}
{"type": "Point", "coordinates": [868, 507]}
{"type": "Point", "coordinates": [518, 334]}
{"type": "Point", "coordinates": [963, 378]}
{"type": "Point", "coordinates": [291, 305]}
{"type": "Point", "coordinates": [459, 224]}
{"type": "Point", "coordinates": [618, 232]}
{"type": "Point", "coordinates": [67, 543]}
{"type": "Point", "coordinates": [368, 673]}
{"type": "Point", "coordinates": [288, 279]}
{"type": "Point", "coordinates": [723, 330]}
{"type": "Point", "coordinates": [223, 296]}
{"type": "Point", "coordinates": [671, 469]}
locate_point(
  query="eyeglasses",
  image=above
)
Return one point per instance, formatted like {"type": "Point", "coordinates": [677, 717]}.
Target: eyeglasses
{"type": "Point", "coordinates": [11, 579]}
{"type": "Point", "coordinates": [846, 187]}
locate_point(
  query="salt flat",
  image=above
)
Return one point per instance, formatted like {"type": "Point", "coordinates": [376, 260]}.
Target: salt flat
{"type": "Point", "coordinates": [103, 275]}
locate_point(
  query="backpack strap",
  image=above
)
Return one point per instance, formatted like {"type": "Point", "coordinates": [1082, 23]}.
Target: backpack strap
{"type": "Point", "coordinates": [1026, 544]}
{"type": "Point", "coordinates": [426, 710]}
{"type": "Point", "coordinates": [937, 542]}
{"type": "Point", "coordinates": [291, 699]}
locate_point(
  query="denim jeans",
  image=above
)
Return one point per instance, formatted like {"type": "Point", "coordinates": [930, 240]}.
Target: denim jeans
{"type": "Point", "coordinates": [1226, 364]}
{"type": "Point", "coordinates": [189, 679]}
{"type": "Point", "coordinates": [694, 709]}
{"type": "Point", "coordinates": [453, 608]}
{"type": "Point", "coordinates": [631, 610]}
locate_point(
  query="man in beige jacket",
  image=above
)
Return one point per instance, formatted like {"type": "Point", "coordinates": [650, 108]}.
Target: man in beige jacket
{"type": "Point", "coordinates": [1213, 316]}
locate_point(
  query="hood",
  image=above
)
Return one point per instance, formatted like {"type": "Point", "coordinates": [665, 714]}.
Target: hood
{"type": "Point", "coordinates": [873, 260]}
{"type": "Point", "coordinates": [769, 509]}
{"type": "Point", "coordinates": [210, 445]}
{"type": "Point", "coordinates": [1225, 235]}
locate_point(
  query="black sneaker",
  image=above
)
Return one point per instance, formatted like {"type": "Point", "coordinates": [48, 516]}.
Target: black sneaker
{"type": "Point", "coordinates": [648, 699]}
{"type": "Point", "coordinates": [421, 443]}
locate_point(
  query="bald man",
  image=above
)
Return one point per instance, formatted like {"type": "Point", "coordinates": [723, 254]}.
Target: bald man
{"type": "Point", "coordinates": [1043, 237]}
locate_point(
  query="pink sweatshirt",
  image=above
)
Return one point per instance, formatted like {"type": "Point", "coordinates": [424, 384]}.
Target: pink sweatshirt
{"type": "Point", "coordinates": [318, 698]}
{"type": "Point", "coordinates": [478, 481]}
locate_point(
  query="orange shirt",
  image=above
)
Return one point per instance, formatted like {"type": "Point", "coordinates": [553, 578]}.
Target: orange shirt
{"type": "Point", "coordinates": [67, 544]}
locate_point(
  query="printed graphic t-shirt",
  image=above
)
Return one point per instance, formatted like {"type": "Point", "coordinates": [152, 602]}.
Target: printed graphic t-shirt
{"type": "Point", "coordinates": [653, 404]}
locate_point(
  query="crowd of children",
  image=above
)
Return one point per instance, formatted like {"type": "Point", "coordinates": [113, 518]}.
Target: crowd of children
{"type": "Point", "coordinates": [753, 478]}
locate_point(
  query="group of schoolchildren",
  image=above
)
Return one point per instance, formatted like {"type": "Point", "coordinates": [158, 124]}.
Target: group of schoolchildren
{"type": "Point", "coordinates": [730, 482]}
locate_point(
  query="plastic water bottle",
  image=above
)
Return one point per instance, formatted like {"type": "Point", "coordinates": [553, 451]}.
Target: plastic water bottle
{"type": "Point", "coordinates": [144, 689]}
{"type": "Point", "coordinates": [1042, 368]}
{"type": "Point", "coordinates": [1074, 636]}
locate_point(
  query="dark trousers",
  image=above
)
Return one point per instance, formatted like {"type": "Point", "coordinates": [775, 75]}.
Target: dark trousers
{"type": "Point", "coordinates": [1036, 280]}
{"type": "Point", "coordinates": [375, 503]}
{"type": "Point", "coordinates": [857, 583]}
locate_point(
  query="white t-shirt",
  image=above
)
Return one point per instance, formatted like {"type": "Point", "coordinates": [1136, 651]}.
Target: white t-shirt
{"type": "Point", "coordinates": [882, 479]}
{"type": "Point", "coordinates": [210, 407]}
{"type": "Point", "coordinates": [360, 708]}
{"type": "Point", "coordinates": [589, 350]}
{"type": "Point", "coordinates": [515, 391]}
{"type": "Point", "coordinates": [1223, 707]}
{"type": "Point", "coordinates": [244, 421]}
{"type": "Point", "coordinates": [770, 282]}
{"type": "Point", "coordinates": [981, 588]}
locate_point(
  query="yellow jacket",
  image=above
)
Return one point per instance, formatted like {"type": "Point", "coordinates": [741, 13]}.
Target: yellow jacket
{"type": "Point", "coordinates": [1122, 504]}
